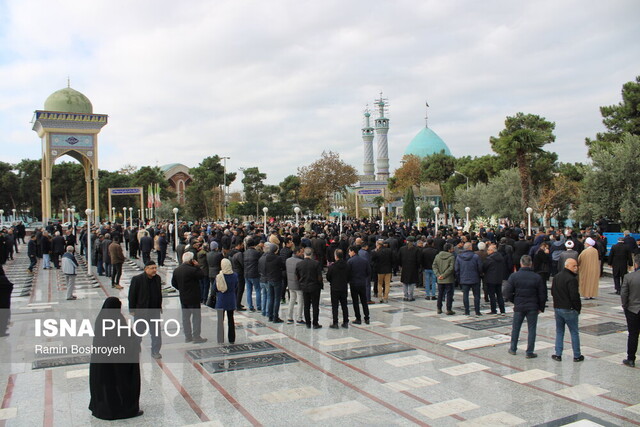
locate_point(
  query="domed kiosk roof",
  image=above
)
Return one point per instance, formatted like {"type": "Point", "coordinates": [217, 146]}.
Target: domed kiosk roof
{"type": "Point", "coordinates": [426, 143]}
{"type": "Point", "coordinates": [68, 100]}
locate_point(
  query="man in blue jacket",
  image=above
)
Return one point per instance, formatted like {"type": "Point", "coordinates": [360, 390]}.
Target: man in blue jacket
{"type": "Point", "coordinates": [468, 270]}
{"type": "Point", "coordinates": [529, 294]}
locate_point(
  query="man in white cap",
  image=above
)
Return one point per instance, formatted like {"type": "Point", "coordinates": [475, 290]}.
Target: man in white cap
{"type": "Point", "coordinates": [569, 253]}
{"type": "Point", "coordinates": [589, 266]}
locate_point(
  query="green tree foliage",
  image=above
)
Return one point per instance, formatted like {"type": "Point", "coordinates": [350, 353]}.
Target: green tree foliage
{"type": "Point", "coordinates": [610, 187]}
{"type": "Point", "coordinates": [498, 197]}
{"type": "Point", "coordinates": [68, 187]}
{"type": "Point", "coordinates": [325, 177]}
{"type": "Point", "coordinates": [480, 169]}
{"type": "Point", "coordinates": [253, 183]}
{"type": "Point", "coordinates": [438, 169]}
{"type": "Point", "coordinates": [290, 189]}
{"type": "Point", "coordinates": [30, 190]}
{"type": "Point", "coordinates": [524, 136]}
{"type": "Point", "coordinates": [619, 119]}
{"type": "Point", "coordinates": [9, 188]}
{"type": "Point", "coordinates": [379, 201]}
{"type": "Point", "coordinates": [203, 195]}
{"type": "Point", "coordinates": [409, 209]}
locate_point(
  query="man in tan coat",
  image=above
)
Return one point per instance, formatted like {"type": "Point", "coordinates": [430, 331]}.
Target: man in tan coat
{"type": "Point", "coordinates": [117, 259]}
{"type": "Point", "coordinates": [589, 267]}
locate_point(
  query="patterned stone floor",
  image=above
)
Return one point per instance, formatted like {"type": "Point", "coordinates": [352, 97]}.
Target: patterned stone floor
{"type": "Point", "coordinates": [410, 366]}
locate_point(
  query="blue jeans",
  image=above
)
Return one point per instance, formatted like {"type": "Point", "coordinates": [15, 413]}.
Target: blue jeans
{"type": "Point", "coordinates": [46, 261]}
{"type": "Point", "coordinates": [264, 295]}
{"type": "Point", "coordinates": [274, 291]}
{"type": "Point", "coordinates": [475, 287]}
{"type": "Point", "coordinates": [567, 317]}
{"type": "Point", "coordinates": [253, 283]}
{"type": "Point", "coordinates": [429, 283]}
{"type": "Point", "coordinates": [532, 322]}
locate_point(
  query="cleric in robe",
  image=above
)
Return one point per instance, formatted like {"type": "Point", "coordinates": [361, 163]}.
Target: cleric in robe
{"type": "Point", "coordinates": [114, 381]}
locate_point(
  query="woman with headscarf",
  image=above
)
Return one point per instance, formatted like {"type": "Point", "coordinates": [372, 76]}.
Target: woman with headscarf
{"type": "Point", "coordinates": [114, 380]}
{"type": "Point", "coordinates": [226, 300]}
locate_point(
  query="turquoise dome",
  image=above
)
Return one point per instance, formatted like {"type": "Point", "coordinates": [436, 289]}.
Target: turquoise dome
{"type": "Point", "coordinates": [426, 143]}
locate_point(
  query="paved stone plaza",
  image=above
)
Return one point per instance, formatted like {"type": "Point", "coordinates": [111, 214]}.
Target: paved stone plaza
{"type": "Point", "coordinates": [410, 366]}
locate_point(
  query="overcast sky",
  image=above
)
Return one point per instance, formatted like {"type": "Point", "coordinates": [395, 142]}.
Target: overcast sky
{"type": "Point", "coordinates": [273, 83]}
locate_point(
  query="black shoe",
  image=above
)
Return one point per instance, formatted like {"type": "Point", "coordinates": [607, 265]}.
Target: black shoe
{"type": "Point", "coordinates": [478, 314]}
{"type": "Point", "coordinates": [366, 321]}
{"type": "Point", "coordinates": [253, 310]}
{"type": "Point", "coordinates": [241, 309]}
{"type": "Point", "coordinates": [629, 363]}
{"type": "Point", "coordinates": [289, 321]}
{"type": "Point", "coordinates": [278, 320]}
{"type": "Point", "coordinates": [308, 325]}
{"type": "Point", "coordinates": [511, 352]}
{"type": "Point", "coordinates": [188, 339]}
{"type": "Point", "coordinates": [439, 311]}
{"type": "Point", "coordinates": [345, 325]}
{"type": "Point", "coordinates": [556, 358]}
{"type": "Point", "coordinates": [301, 322]}
{"type": "Point", "coordinates": [357, 322]}
{"type": "Point", "coordinates": [412, 299]}
{"type": "Point", "coordinates": [578, 359]}
{"type": "Point", "coordinates": [317, 326]}
{"type": "Point", "coordinates": [531, 356]}
{"type": "Point", "coordinates": [334, 326]}
{"type": "Point", "coordinates": [450, 313]}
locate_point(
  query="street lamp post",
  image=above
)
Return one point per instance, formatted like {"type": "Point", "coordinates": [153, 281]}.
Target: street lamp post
{"type": "Point", "coordinates": [436, 211]}
{"type": "Point", "coordinates": [297, 211]}
{"type": "Point", "coordinates": [1, 216]}
{"type": "Point", "coordinates": [465, 176]}
{"type": "Point", "coordinates": [265, 210]}
{"type": "Point", "coordinates": [467, 210]}
{"type": "Point", "coordinates": [131, 217]}
{"type": "Point", "coordinates": [224, 187]}
{"type": "Point", "coordinates": [124, 216]}
{"type": "Point", "coordinates": [418, 215]}
{"type": "Point", "coordinates": [340, 212]}
{"type": "Point", "coordinates": [529, 211]}
{"type": "Point", "coordinates": [175, 230]}
{"type": "Point", "coordinates": [113, 214]}
{"type": "Point", "coordinates": [89, 248]}
{"type": "Point", "coordinates": [382, 210]}
{"type": "Point", "coordinates": [14, 214]}
{"type": "Point", "coordinates": [139, 216]}
{"type": "Point", "coordinates": [73, 220]}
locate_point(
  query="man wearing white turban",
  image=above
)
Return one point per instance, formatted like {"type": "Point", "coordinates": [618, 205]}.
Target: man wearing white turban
{"type": "Point", "coordinates": [589, 270]}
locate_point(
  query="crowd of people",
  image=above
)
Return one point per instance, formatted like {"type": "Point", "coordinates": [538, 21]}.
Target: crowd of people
{"type": "Point", "coordinates": [245, 267]}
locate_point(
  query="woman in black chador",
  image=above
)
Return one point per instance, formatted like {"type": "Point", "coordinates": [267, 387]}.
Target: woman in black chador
{"type": "Point", "coordinates": [114, 386]}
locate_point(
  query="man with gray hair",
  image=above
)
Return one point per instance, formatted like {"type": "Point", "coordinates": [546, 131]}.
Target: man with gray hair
{"type": "Point", "coordinates": [69, 266]}
{"type": "Point", "coordinates": [186, 279]}
{"type": "Point", "coordinates": [566, 306]}
{"type": "Point", "coordinates": [468, 267]}
{"type": "Point", "coordinates": [529, 294]}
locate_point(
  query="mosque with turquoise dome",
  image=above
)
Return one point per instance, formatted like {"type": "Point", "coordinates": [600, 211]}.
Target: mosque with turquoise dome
{"type": "Point", "coordinates": [374, 180]}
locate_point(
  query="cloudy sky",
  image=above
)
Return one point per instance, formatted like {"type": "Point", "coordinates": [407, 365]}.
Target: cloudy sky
{"type": "Point", "coordinates": [273, 83]}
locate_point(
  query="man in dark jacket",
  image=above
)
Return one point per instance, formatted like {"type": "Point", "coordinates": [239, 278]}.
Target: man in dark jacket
{"type": "Point", "coordinates": [566, 306]}
{"type": "Point", "coordinates": [494, 269]}
{"type": "Point", "coordinates": [338, 277]}
{"type": "Point", "coordinates": [6, 287]}
{"type": "Point", "coordinates": [630, 298]}
{"type": "Point", "coordinates": [382, 259]}
{"type": "Point", "coordinates": [252, 275]}
{"type": "Point", "coordinates": [162, 248]}
{"type": "Point", "coordinates": [529, 294]}
{"type": "Point", "coordinates": [145, 303]}
{"type": "Point", "coordinates": [237, 263]}
{"type": "Point", "coordinates": [521, 247]}
{"type": "Point", "coordinates": [359, 273]}
{"type": "Point", "coordinates": [186, 279]}
{"type": "Point", "coordinates": [429, 253]}
{"type": "Point", "coordinates": [620, 259]}
{"type": "Point", "coordinates": [31, 253]}
{"type": "Point", "coordinates": [146, 245]}
{"type": "Point", "coordinates": [106, 257]}
{"type": "Point", "coordinates": [409, 260]}
{"type": "Point", "coordinates": [274, 267]}
{"type": "Point", "coordinates": [58, 248]}
{"type": "Point", "coordinates": [309, 276]}
{"type": "Point", "coordinates": [468, 270]}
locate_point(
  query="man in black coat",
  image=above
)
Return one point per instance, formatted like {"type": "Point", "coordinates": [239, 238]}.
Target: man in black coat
{"type": "Point", "coordinates": [338, 277]}
{"type": "Point", "coordinates": [620, 259]}
{"type": "Point", "coordinates": [529, 294]}
{"type": "Point", "coordinates": [237, 263]}
{"type": "Point", "coordinates": [309, 275]}
{"type": "Point", "coordinates": [427, 256]}
{"type": "Point", "coordinates": [566, 306]}
{"type": "Point", "coordinates": [274, 267]}
{"type": "Point", "coordinates": [359, 273]}
{"type": "Point", "coordinates": [382, 259]}
{"type": "Point", "coordinates": [145, 303]}
{"type": "Point", "coordinates": [409, 260]}
{"type": "Point", "coordinates": [494, 269]}
{"type": "Point", "coordinates": [57, 248]}
{"type": "Point", "coordinates": [146, 245]}
{"type": "Point", "coordinates": [186, 279]}
{"type": "Point", "coordinates": [31, 253]}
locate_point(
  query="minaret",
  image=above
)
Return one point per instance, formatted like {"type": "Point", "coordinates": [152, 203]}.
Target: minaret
{"type": "Point", "coordinates": [367, 137]}
{"type": "Point", "coordinates": [382, 128]}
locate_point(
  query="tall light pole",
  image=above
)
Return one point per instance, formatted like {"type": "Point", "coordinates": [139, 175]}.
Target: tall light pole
{"type": "Point", "coordinates": [436, 211]}
{"type": "Point", "coordinates": [139, 217]}
{"type": "Point", "coordinates": [265, 210]}
{"type": "Point", "coordinates": [340, 212]}
{"type": "Point", "coordinates": [73, 220]}
{"type": "Point", "coordinates": [14, 214]}
{"type": "Point", "coordinates": [529, 212]}
{"type": "Point", "coordinates": [89, 248]}
{"type": "Point", "coordinates": [131, 217]}
{"type": "Point", "coordinates": [224, 187]}
{"type": "Point", "coordinates": [297, 211]}
{"type": "Point", "coordinates": [1, 216]}
{"type": "Point", "coordinates": [113, 214]}
{"type": "Point", "coordinates": [467, 210]}
{"type": "Point", "coordinates": [382, 210]}
{"type": "Point", "coordinates": [418, 215]}
{"type": "Point", "coordinates": [175, 230]}
{"type": "Point", "coordinates": [124, 215]}
{"type": "Point", "coordinates": [465, 176]}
